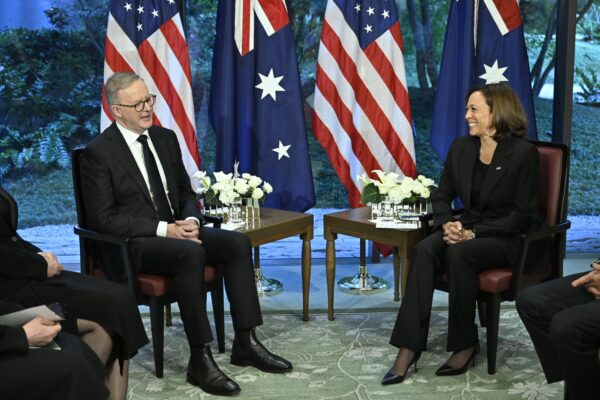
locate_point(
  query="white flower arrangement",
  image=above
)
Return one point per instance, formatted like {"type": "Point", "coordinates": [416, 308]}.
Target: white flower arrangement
{"type": "Point", "coordinates": [394, 187]}
{"type": "Point", "coordinates": [227, 187]}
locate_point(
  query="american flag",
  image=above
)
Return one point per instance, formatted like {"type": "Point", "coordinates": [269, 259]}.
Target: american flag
{"type": "Point", "coordinates": [362, 111]}
{"type": "Point", "coordinates": [256, 101]}
{"type": "Point", "coordinates": [147, 37]}
{"type": "Point", "coordinates": [484, 44]}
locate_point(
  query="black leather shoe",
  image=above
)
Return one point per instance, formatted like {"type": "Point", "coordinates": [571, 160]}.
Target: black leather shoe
{"type": "Point", "coordinates": [446, 370]}
{"type": "Point", "coordinates": [247, 350]}
{"type": "Point", "coordinates": [391, 377]}
{"type": "Point", "coordinates": [202, 371]}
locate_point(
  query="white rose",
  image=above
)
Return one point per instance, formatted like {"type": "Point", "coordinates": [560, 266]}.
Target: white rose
{"type": "Point", "coordinates": [246, 176]}
{"type": "Point", "coordinates": [257, 194]}
{"type": "Point", "coordinates": [223, 177]}
{"type": "Point", "coordinates": [364, 179]}
{"type": "Point", "coordinates": [241, 186]}
{"type": "Point", "coordinates": [254, 181]}
{"type": "Point", "coordinates": [226, 197]}
{"type": "Point", "coordinates": [267, 188]}
{"type": "Point", "coordinates": [426, 181]}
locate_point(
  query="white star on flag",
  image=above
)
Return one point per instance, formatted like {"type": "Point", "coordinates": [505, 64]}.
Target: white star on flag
{"type": "Point", "coordinates": [171, 1]}
{"type": "Point", "coordinates": [385, 14]}
{"type": "Point", "coordinates": [155, 13]}
{"type": "Point", "coordinates": [140, 9]}
{"type": "Point", "coordinates": [357, 7]}
{"type": "Point", "coordinates": [270, 85]}
{"type": "Point", "coordinates": [282, 151]}
{"type": "Point", "coordinates": [494, 74]}
{"type": "Point", "coordinates": [370, 11]}
{"type": "Point", "coordinates": [368, 28]}
{"type": "Point", "coordinates": [127, 7]}
{"type": "Point", "coordinates": [139, 27]}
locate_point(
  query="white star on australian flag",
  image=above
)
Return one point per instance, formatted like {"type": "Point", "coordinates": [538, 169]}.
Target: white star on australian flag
{"type": "Point", "coordinates": [269, 85]}
{"type": "Point", "coordinates": [494, 74]}
{"type": "Point", "coordinates": [282, 151]}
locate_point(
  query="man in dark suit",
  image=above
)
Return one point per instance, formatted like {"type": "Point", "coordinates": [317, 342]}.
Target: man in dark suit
{"type": "Point", "coordinates": [562, 317]}
{"type": "Point", "coordinates": [135, 185]}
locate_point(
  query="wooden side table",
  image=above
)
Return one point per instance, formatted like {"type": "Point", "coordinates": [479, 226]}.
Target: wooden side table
{"type": "Point", "coordinates": [356, 223]}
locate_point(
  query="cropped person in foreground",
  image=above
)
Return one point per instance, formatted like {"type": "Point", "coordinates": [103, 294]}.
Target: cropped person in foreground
{"type": "Point", "coordinates": [102, 313]}
{"type": "Point", "coordinates": [30, 370]}
{"type": "Point", "coordinates": [494, 172]}
{"type": "Point", "coordinates": [562, 317]}
{"type": "Point", "coordinates": [135, 185]}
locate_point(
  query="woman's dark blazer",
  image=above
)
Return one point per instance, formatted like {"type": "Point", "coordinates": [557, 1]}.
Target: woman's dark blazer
{"type": "Point", "coordinates": [509, 194]}
{"type": "Point", "coordinates": [20, 262]}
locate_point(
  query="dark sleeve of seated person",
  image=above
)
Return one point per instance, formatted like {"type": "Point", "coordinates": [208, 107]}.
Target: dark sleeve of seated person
{"type": "Point", "coordinates": [29, 370]}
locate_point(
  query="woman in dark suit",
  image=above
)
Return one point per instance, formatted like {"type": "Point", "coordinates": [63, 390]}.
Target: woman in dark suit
{"type": "Point", "coordinates": [30, 369]}
{"type": "Point", "coordinates": [96, 309]}
{"type": "Point", "coordinates": [494, 173]}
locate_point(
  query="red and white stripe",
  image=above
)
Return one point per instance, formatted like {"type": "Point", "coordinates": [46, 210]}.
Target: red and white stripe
{"type": "Point", "coordinates": [272, 15]}
{"type": "Point", "coordinates": [506, 14]}
{"type": "Point", "coordinates": [361, 108]}
{"type": "Point", "coordinates": [163, 62]}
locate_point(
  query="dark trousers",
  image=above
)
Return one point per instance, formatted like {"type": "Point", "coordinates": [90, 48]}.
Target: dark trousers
{"type": "Point", "coordinates": [564, 325]}
{"type": "Point", "coordinates": [462, 262]}
{"type": "Point", "coordinates": [72, 373]}
{"type": "Point", "coordinates": [184, 262]}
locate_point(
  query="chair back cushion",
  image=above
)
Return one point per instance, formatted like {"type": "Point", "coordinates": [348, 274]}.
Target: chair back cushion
{"type": "Point", "coordinates": [550, 182]}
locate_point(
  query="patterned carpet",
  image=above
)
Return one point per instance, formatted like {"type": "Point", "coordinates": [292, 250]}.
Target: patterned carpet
{"type": "Point", "coordinates": [346, 358]}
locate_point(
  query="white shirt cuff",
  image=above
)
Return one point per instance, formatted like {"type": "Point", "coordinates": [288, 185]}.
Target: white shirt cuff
{"type": "Point", "coordinates": [194, 219]}
{"type": "Point", "coordinates": [161, 229]}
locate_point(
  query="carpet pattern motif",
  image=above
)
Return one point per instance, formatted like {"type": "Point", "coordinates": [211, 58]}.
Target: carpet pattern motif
{"type": "Point", "coordinates": [346, 359]}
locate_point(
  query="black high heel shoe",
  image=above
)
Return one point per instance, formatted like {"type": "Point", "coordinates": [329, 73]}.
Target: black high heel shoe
{"type": "Point", "coordinates": [446, 370]}
{"type": "Point", "coordinates": [391, 377]}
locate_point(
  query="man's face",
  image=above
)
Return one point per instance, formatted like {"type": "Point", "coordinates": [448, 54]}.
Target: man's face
{"type": "Point", "coordinates": [136, 121]}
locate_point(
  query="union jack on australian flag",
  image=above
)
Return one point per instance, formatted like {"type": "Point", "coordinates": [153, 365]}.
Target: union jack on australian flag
{"type": "Point", "coordinates": [256, 102]}
{"type": "Point", "coordinates": [146, 37]}
{"type": "Point", "coordinates": [484, 44]}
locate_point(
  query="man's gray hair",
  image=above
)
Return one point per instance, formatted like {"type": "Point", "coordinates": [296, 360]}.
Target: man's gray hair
{"type": "Point", "coordinates": [118, 81]}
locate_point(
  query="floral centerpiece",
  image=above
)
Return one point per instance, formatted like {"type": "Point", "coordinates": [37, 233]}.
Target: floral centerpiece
{"type": "Point", "coordinates": [228, 187]}
{"type": "Point", "coordinates": [392, 196]}
{"type": "Point", "coordinates": [395, 188]}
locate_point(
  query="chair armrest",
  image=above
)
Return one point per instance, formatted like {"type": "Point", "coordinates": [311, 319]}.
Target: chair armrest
{"type": "Point", "coordinates": [124, 252]}
{"type": "Point", "coordinates": [216, 221]}
{"type": "Point", "coordinates": [525, 240]}
{"type": "Point", "coordinates": [101, 237]}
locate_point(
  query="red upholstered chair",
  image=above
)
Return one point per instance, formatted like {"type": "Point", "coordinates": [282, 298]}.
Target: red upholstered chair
{"type": "Point", "coordinates": [154, 291]}
{"type": "Point", "coordinates": [503, 284]}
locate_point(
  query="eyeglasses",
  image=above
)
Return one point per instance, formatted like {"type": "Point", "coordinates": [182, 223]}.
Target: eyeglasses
{"type": "Point", "coordinates": [139, 106]}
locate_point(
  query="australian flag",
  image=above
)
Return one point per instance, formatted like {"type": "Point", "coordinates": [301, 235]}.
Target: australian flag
{"type": "Point", "coordinates": [484, 44]}
{"type": "Point", "coordinates": [256, 103]}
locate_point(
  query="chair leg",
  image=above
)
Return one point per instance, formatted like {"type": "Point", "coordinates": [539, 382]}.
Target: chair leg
{"type": "Point", "coordinates": [482, 310]}
{"type": "Point", "coordinates": [168, 315]}
{"type": "Point", "coordinates": [493, 322]}
{"type": "Point", "coordinates": [156, 323]}
{"type": "Point", "coordinates": [219, 313]}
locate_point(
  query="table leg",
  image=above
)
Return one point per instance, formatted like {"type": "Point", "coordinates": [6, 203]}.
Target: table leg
{"type": "Point", "coordinates": [330, 267]}
{"type": "Point", "coordinates": [397, 274]}
{"type": "Point", "coordinates": [305, 277]}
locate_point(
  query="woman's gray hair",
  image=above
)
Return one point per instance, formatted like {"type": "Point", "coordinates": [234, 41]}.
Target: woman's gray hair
{"type": "Point", "coordinates": [118, 81]}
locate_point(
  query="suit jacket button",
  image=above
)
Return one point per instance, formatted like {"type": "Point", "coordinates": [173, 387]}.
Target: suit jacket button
{"type": "Point", "coordinates": [14, 238]}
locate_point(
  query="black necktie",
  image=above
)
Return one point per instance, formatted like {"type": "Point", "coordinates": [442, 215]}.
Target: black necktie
{"type": "Point", "coordinates": [157, 191]}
